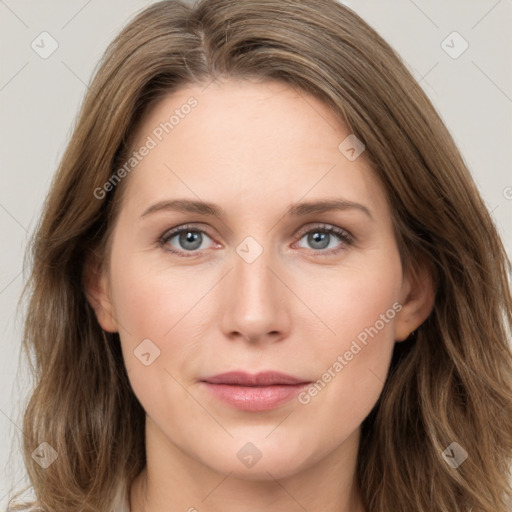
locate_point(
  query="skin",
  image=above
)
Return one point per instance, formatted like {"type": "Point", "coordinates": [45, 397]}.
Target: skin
{"type": "Point", "coordinates": [254, 149]}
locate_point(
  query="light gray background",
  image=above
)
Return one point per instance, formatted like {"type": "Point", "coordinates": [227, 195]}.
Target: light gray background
{"type": "Point", "coordinates": [39, 99]}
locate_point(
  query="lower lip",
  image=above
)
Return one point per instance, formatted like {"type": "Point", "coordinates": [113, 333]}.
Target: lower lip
{"type": "Point", "coordinates": [257, 398]}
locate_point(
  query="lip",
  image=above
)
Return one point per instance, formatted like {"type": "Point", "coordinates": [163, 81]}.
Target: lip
{"type": "Point", "coordinates": [260, 392]}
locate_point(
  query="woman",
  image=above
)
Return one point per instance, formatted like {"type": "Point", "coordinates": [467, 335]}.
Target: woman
{"type": "Point", "coordinates": [335, 336]}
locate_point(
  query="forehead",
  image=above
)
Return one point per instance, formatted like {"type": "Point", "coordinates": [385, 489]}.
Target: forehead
{"type": "Point", "coordinates": [262, 141]}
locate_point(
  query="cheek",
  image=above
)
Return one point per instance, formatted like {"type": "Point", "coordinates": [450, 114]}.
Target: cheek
{"type": "Point", "coordinates": [159, 307]}
{"type": "Point", "coordinates": [158, 317]}
{"type": "Point", "coordinates": [352, 355]}
{"type": "Point", "coordinates": [357, 301]}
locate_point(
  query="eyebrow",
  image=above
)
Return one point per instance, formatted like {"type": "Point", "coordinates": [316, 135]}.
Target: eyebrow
{"type": "Point", "coordinates": [296, 210]}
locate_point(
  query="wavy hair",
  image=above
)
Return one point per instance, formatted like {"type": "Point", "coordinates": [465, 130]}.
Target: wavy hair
{"type": "Point", "coordinates": [452, 382]}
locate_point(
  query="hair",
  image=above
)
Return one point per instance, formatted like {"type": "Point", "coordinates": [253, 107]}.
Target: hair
{"type": "Point", "coordinates": [452, 382]}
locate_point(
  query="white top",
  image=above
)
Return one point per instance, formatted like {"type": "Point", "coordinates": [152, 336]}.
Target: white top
{"type": "Point", "coordinates": [126, 504]}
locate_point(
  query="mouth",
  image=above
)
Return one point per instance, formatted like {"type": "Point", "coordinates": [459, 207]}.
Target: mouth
{"type": "Point", "coordinates": [261, 392]}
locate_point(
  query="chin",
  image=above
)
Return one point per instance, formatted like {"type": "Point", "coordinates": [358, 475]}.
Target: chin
{"type": "Point", "coordinates": [262, 460]}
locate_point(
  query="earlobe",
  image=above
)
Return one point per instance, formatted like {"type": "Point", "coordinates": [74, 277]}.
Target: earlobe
{"type": "Point", "coordinates": [418, 296]}
{"type": "Point", "coordinates": [98, 295]}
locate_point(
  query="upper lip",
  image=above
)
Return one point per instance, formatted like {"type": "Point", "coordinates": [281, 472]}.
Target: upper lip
{"type": "Point", "coordinates": [267, 378]}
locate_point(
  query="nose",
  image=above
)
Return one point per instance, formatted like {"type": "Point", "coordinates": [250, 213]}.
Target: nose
{"type": "Point", "coordinates": [256, 308]}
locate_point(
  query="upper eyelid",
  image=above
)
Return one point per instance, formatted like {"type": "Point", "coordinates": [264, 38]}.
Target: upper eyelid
{"type": "Point", "coordinates": [323, 225]}
{"type": "Point", "coordinates": [190, 226]}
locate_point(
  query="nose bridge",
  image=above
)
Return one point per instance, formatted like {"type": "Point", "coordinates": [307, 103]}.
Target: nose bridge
{"type": "Point", "coordinates": [252, 273]}
{"type": "Point", "coordinates": [255, 300]}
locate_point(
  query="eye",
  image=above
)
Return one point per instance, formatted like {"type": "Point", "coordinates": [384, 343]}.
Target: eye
{"type": "Point", "coordinates": [190, 239]}
{"type": "Point", "coordinates": [187, 239]}
{"type": "Point", "coordinates": [321, 236]}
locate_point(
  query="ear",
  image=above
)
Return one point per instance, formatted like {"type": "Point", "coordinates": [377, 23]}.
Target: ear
{"type": "Point", "coordinates": [417, 300]}
{"type": "Point", "coordinates": [97, 291]}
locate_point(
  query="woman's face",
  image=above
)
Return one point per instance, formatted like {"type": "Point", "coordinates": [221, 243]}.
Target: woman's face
{"type": "Point", "coordinates": [259, 284]}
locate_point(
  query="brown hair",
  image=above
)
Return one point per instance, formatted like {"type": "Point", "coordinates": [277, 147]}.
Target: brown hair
{"type": "Point", "coordinates": [452, 382]}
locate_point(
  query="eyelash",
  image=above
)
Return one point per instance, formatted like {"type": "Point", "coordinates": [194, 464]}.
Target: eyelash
{"type": "Point", "coordinates": [345, 237]}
